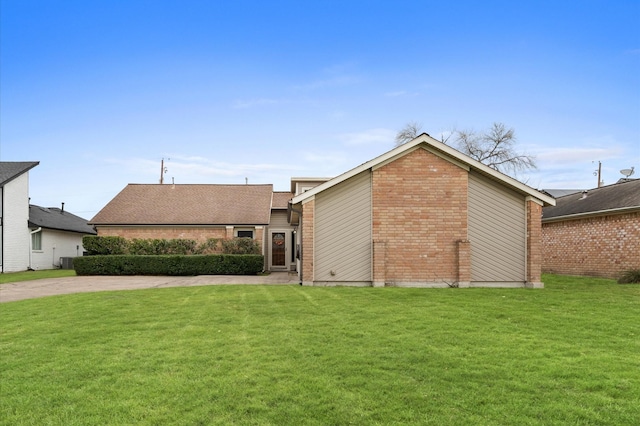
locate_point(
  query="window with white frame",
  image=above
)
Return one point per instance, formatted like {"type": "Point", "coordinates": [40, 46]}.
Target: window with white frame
{"type": "Point", "coordinates": [36, 240]}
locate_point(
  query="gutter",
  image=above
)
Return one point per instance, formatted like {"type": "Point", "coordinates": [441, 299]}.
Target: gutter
{"type": "Point", "coordinates": [620, 210]}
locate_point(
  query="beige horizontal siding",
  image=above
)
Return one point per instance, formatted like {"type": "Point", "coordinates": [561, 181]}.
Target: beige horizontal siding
{"type": "Point", "coordinates": [343, 231]}
{"type": "Point", "coordinates": [497, 231]}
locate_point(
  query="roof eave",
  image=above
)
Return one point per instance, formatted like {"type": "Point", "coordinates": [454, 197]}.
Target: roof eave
{"type": "Point", "coordinates": [620, 210]}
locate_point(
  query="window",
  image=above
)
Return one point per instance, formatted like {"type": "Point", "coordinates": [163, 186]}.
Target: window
{"type": "Point", "coordinates": [36, 240]}
{"type": "Point", "coordinates": [245, 234]}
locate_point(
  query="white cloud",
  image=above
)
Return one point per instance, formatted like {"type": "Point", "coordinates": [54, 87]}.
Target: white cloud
{"type": "Point", "coordinates": [367, 137]}
{"type": "Point", "coordinates": [331, 158]}
{"type": "Point", "coordinates": [189, 169]}
{"type": "Point", "coordinates": [553, 157]}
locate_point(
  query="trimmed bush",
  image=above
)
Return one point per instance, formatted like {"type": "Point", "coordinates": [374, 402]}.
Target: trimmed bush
{"type": "Point", "coordinates": [240, 246]}
{"type": "Point", "coordinates": [630, 277]}
{"type": "Point", "coordinates": [209, 247]}
{"type": "Point", "coordinates": [161, 246]}
{"type": "Point", "coordinates": [103, 245]}
{"type": "Point", "coordinates": [215, 264]}
{"type": "Point", "coordinates": [96, 245]}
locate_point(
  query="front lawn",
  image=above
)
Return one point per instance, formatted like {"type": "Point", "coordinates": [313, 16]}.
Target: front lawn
{"type": "Point", "coordinates": [260, 355]}
{"type": "Point", "coordinates": [12, 277]}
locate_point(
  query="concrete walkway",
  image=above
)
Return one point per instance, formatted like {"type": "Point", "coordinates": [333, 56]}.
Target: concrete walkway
{"type": "Point", "coordinates": [53, 286]}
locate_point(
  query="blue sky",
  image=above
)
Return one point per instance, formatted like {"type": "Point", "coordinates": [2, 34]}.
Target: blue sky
{"type": "Point", "coordinates": [100, 91]}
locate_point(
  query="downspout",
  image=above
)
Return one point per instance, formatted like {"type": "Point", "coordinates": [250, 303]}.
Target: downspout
{"type": "Point", "coordinates": [292, 210]}
{"type": "Point", "coordinates": [30, 245]}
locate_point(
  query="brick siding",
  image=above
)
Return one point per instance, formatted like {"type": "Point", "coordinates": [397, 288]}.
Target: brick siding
{"type": "Point", "coordinates": [420, 214]}
{"type": "Point", "coordinates": [534, 248]}
{"type": "Point", "coordinates": [163, 232]}
{"type": "Point", "coordinates": [308, 234]}
{"type": "Point", "coordinates": [601, 246]}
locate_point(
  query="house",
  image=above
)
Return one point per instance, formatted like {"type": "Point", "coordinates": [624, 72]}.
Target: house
{"type": "Point", "coordinates": [422, 214]}
{"type": "Point", "coordinates": [33, 237]}
{"type": "Point", "coordinates": [203, 211]}
{"type": "Point", "coordinates": [56, 237]}
{"type": "Point", "coordinates": [595, 232]}
{"type": "Point", "coordinates": [14, 215]}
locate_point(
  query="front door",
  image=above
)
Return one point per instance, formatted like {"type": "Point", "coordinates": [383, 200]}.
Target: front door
{"type": "Point", "coordinates": [279, 251]}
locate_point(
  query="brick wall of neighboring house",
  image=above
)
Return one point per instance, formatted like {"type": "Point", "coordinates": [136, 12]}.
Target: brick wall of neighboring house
{"type": "Point", "coordinates": [419, 218]}
{"type": "Point", "coordinates": [602, 246]}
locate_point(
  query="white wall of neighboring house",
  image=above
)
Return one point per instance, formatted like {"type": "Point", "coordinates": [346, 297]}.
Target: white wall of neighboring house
{"type": "Point", "coordinates": [15, 218]}
{"type": "Point", "coordinates": [56, 244]}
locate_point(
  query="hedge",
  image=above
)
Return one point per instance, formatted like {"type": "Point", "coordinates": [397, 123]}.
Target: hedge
{"type": "Point", "coordinates": [213, 264]}
{"type": "Point", "coordinates": [100, 245]}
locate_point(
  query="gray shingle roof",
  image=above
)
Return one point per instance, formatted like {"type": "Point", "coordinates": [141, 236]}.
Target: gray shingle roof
{"type": "Point", "coordinates": [611, 197]}
{"type": "Point", "coordinates": [155, 204]}
{"type": "Point", "coordinates": [55, 218]}
{"type": "Point", "coordinates": [10, 170]}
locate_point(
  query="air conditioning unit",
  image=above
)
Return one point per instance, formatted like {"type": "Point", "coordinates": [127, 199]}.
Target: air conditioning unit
{"type": "Point", "coordinates": [66, 262]}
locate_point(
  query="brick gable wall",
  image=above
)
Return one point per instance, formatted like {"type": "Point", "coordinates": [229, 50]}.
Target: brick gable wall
{"type": "Point", "coordinates": [419, 217]}
{"type": "Point", "coordinates": [602, 246]}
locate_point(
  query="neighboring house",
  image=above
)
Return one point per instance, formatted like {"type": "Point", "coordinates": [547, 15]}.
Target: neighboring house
{"type": "Point", "coordinates": [595, 232]}
{"type": "Point", "coordinates": [56, 237]}
{"type": "Point", "coordinates": [14, 215]}
{"type": "Point", "coordinates": [200, 212]}
{"type": "Point", "coordinates": [422, 214]}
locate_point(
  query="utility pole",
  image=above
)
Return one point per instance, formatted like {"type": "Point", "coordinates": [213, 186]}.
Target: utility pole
{"type": "Point", "coordinates": [163, 170]}
{"type": "Point", "coordinates": [599, 174]}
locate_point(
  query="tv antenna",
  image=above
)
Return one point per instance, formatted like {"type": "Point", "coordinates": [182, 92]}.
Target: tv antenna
{"type": "Point", "coordinates": [627, 172]}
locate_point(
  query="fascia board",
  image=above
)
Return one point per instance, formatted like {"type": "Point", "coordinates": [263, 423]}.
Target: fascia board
{"type": "Point", "coordinates": [584, 215]}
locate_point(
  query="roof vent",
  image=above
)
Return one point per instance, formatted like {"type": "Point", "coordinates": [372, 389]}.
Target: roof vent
{"type": "Point", "coordinates": [584, 195]}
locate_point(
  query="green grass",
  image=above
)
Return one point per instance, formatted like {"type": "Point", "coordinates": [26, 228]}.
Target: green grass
{"type": "Point", "coordinates": [13, 277]}
{"type": "Point", "coordinates": [260, 355]}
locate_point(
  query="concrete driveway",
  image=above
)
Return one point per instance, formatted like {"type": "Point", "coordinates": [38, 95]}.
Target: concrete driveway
{"type": "Point", "coordinates": [53, 286]}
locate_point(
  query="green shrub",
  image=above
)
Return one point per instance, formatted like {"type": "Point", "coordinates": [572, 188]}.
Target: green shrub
{"type": "Point", "coordinates": [208, 247]}
{"type": "Point", "coordinates": [161, 246]}
{"type": "Point", "coordinates": [103, 245]}
{"type": "Point", "coordinates": [240, 246]}
{"type": "Point", "coordinates": [98, 245]}
{"type": "Point", "coordinates": [214, 264]}
{"type": "Point", "coordinates": [630, 277]}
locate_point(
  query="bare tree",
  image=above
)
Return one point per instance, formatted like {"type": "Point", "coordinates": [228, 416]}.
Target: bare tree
{"type": "Point", "coordinates": [409, 132]}
{"type": "Point", "coordinates": [494, 147]}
